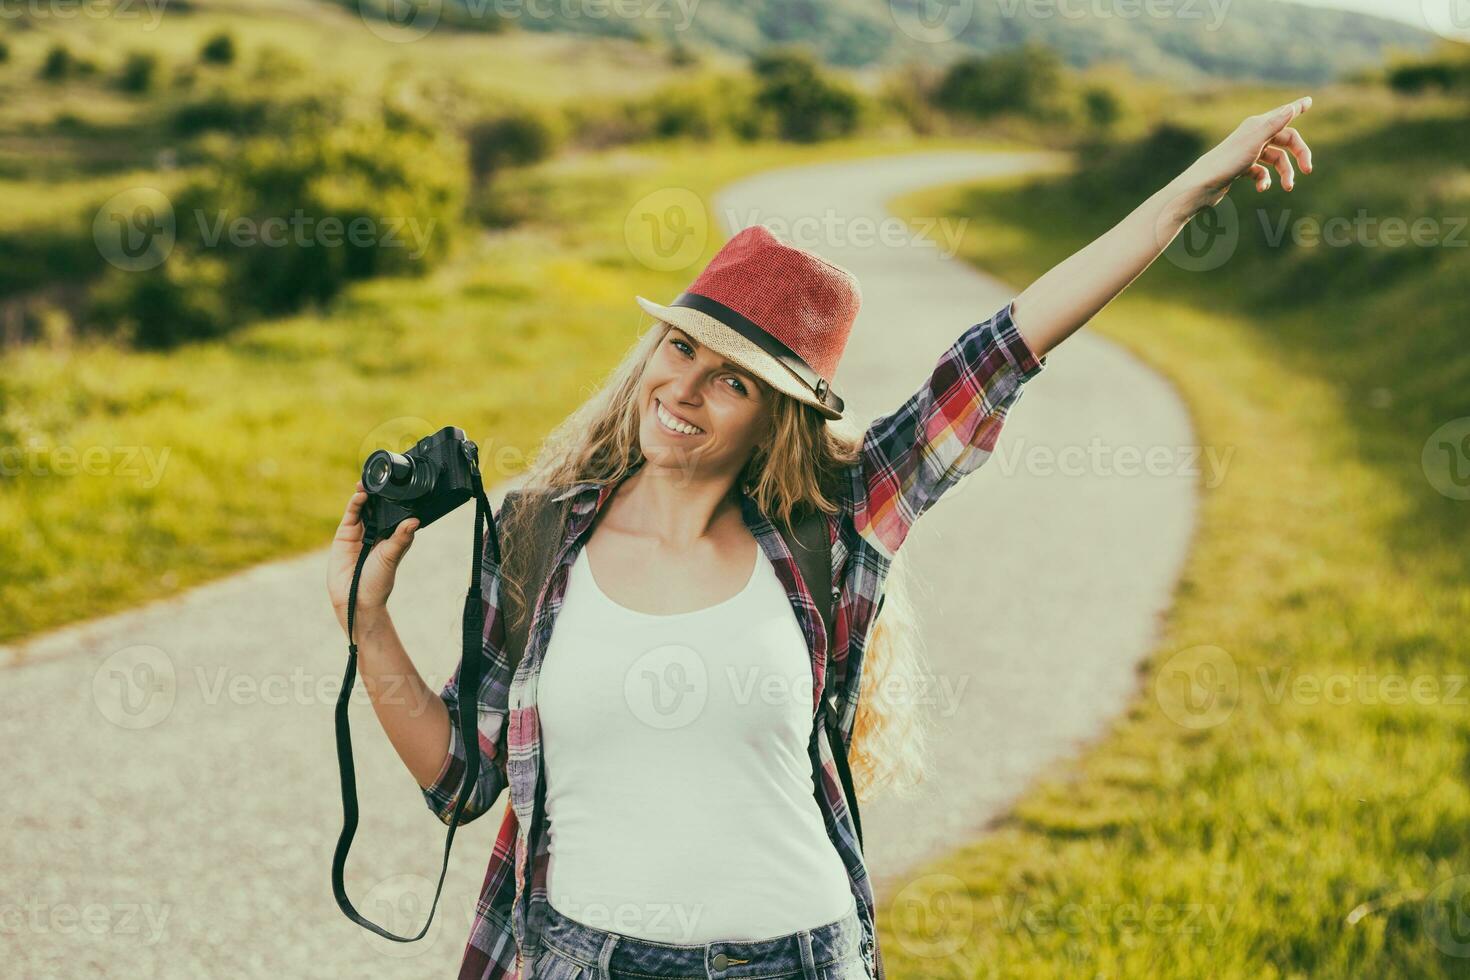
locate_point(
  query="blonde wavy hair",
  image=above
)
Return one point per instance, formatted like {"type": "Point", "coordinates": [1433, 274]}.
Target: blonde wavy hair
{"type": "Point", "coordinates": [800, 466]}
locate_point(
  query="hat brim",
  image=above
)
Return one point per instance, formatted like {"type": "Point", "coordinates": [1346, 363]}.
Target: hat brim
{"type": "Point", "coordinates": [736, 348]}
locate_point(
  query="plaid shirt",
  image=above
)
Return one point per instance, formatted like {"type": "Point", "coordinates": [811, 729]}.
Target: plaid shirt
{"type": "Point", "coordinates": [909, 458]}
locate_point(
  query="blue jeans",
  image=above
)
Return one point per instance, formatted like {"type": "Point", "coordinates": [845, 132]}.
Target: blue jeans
{"type": "Point", "coordinates": [575, 951]}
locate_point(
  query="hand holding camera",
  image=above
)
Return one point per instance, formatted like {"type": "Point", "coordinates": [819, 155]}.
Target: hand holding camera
{"type": "Point", "coordinates": [398, 493]}
{"type": "Point", "coordinates": [382, 563]}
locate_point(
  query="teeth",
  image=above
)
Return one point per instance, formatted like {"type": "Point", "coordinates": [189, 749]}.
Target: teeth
{"type": "Point", "coordinates": [674, 423]}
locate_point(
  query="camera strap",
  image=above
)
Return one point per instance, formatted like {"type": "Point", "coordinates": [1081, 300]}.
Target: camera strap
{"type": "Point", "coordinates": [470, 667]}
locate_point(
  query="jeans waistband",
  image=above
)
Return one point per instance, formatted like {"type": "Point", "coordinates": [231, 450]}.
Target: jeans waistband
{"type": "Point", "coordinates": [803, 952]}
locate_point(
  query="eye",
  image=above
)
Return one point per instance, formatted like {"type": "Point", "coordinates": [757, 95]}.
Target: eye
{"type": "Point", "coordinates": [683, 345]}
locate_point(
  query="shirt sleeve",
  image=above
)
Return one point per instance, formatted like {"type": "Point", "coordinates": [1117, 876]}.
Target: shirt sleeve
{"type": "Point", "coordinates": [943, 431]}
{"type": "Point", "coordinates": [492, 712]}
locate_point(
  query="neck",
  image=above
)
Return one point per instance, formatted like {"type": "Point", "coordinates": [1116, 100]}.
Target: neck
{"type": "Point", "coordinates": [668, 504]}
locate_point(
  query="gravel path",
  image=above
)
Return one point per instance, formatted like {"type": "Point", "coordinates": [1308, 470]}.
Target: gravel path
{"type": "Point", "coordinates": [171, 799]}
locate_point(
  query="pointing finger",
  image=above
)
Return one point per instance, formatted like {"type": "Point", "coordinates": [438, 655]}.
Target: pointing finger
{"type": "Point", "coordinates": [1284, 114]}
{"type": "Point", "coordinates": [1292, 140]}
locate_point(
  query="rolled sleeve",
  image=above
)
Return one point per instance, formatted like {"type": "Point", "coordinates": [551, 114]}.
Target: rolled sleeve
{"type": "Point", "coordinates": [1019, 353]}
{"type": "Point", "coordinates": [443, 793]}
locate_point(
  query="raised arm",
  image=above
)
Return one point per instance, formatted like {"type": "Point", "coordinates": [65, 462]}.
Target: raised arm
{"type": "Point", "coordinates": [1071, 293]}
{"type": "Point", "coordinates": [943, 431]}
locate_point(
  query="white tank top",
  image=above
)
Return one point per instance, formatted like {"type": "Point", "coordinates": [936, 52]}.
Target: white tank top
{"type": "Point", "coordinates": [678, 787]}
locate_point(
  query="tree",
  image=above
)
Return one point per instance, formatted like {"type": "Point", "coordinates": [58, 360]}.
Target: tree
{"type": "Point", "coordinates": [807, 107]}
{"type": "Point", "coordinates": [1023, 79]}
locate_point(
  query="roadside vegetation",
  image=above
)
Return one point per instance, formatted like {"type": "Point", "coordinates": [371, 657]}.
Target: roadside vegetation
{"type": "Point", "coordinates": [1289, 793]}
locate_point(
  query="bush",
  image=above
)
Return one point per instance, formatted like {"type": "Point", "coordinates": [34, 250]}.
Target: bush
{"type": "Point", "coordinates": [59, 64]}
{"type": "Point", "coordinates": [511, 139]}
{"type": "Point", "coordinates": [276, 64]}
{"type": "Point", "coordinates": [1169, 147]}
{"type": "Point", "coordinates": [1135, 168]}
{"type": "Point", "coordinates": [1023, 80]}
{"type": "Point", "coordinates": [394, 196]}
{"type": "Point", "coordinates": [220, 111]}
{"type": "Point", "coordinates": [139, 73]}
{"type": "Point", "coordinates": [218, 50]}
{"type": "Point", "coordinates": [184, 78]}
{"type": "Point", "coordinates": [712, 106]}
{"type": "Point", "coordinates": [68, 123]}
{"type": "Point", "coordinates": [185, 298]}
{"type": "Point", "coordinates": [278, 220]}
{"type": "Point", "coordinates": [682, 56]}
{"type": "Point", "coordinates": [239, 114]}
{"type": "Point", "coordinates": [907, 92]}
{"type": "Point", "coordinates": [4, 51]}
{"type": "Point", "coordinates": [805, 105]}
{"type": "Point", "coordinates": [1422, 76]}
{"type": "Point", "coordinates": [602, 122]}
{"type": "Point", "coordinates": [1102, 107]}
{"type": "Point", "coordinates": [704, 106]}
{"type": "Point", "coordinates": [684, 114]}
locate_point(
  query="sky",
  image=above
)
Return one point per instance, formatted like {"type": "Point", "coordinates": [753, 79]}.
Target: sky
{"type": "Point", "coordinates": [1414, 12]}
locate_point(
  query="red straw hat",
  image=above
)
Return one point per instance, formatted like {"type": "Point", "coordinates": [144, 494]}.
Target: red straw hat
{"type": "Point", "coordinates": [781, 312]}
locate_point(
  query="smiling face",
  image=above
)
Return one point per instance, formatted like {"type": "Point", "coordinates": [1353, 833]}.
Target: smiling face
{"type": "Point", "coordinates": [698, 409]}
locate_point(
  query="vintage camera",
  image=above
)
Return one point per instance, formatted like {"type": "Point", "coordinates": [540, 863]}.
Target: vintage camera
{"type": "Point", "coordinates": [426, 482]}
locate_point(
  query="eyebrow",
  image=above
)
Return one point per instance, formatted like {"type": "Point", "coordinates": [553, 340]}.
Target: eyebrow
{"type": "Point", "coordinates": [733, 367]}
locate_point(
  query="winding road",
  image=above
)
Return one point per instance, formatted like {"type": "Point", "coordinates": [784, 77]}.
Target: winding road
{"type": "Point", "coordinates": [170, 793]}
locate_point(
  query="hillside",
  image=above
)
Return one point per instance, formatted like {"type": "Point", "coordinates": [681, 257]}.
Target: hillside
{"type": "Point", "coordinates": [1198, 40]}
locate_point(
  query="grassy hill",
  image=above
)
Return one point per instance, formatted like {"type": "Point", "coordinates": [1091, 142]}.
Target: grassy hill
{"type": "Point", "coordinates": [1193, 40]}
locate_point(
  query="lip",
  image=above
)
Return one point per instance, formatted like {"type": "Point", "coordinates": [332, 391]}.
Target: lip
{"type": "Point", "coordinates": [662, 428]}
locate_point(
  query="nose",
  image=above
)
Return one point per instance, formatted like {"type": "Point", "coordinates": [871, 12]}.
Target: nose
{"type": "Point", "coordinates": [686, 386]}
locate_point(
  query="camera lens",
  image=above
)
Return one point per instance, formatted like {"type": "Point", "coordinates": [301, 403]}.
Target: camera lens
{"type": "Point", "coordinates": [397, 476]}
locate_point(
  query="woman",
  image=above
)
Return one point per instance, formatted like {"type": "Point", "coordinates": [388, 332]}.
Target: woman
{"type": "Point", "coordinates": [680, 836]}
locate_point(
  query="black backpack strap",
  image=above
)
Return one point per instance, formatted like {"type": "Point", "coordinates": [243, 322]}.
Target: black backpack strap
{"type": "Point", "coordinates": [528, 563]}
{"type": "Point", "coordinates": [811, 545]}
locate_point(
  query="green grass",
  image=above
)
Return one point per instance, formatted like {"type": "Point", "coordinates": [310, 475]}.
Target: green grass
{"type": "Point", "coordinates": [216, 456]}
{"type": "Point", "coordinates": [66, 147]}
{"type": "Point", "coordinates": [331, 40]}
{"type": "Point", "coordinates": [86, 126]}
{"type": "Point", "coordinates": [1287, 831]}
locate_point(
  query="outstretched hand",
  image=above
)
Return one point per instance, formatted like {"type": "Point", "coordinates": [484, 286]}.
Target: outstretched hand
{"type": "Point", "coordinates": [1259, 144]}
